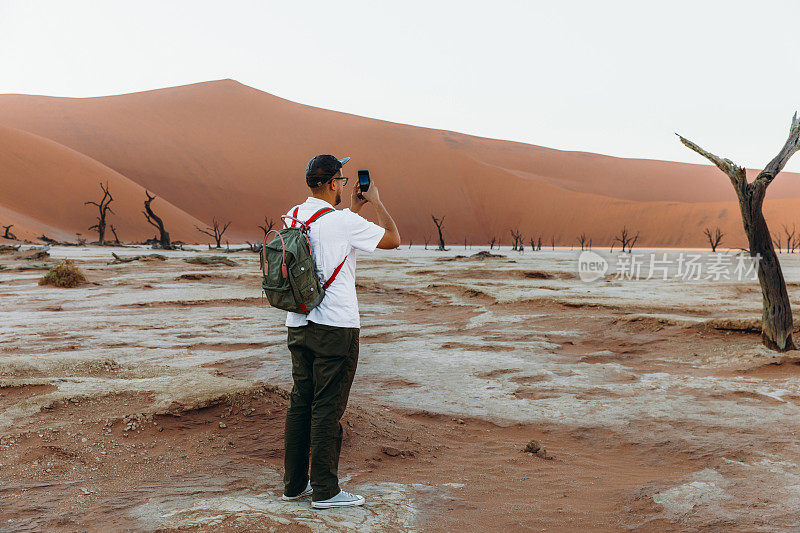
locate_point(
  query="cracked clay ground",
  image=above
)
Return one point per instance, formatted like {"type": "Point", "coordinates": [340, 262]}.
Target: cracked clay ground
{"type": "Point", "coordinates": [153, 397]}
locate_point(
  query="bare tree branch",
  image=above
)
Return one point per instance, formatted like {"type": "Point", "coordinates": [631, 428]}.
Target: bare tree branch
{"type": "Point", "coordinates": [714, 239]}
{"type": "Point", "coordinates": [725, 165]}
{"type": "Point", "coordinates": [103, 209]}
{"type": "Point", "coordinates": [7, 234]}
{"type": "Point", "coordinates": [736, 173]}
{"type": "Point", "coordinates": [516, 237]}
{"type": "Point", "coordinates": [164, 241]}
{"type": "Point", "coordinates": [791, 146]}
{"type": "Point", "coordinates": [439, 225]}
{"type": "Point", "coordinates": [268, 225]}
{"type": "Point", "coordinates": [215, 231]}
{"type": "Point", "coordinates": [625, 239]}
{"type": "Point", "coordinates": [114, 231]}
{"type": "Point", "coordinates": [790, 237]}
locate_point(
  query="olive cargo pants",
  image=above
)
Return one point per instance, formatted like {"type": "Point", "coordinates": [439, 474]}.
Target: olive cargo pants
{"type": "Point", "coordinates": [324, 360]}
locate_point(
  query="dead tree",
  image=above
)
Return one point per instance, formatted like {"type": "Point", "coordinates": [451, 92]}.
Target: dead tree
{"type": "Point", "coordinates": [714, 239]}
{"type": "Point", "coordinates": [163, 236]}
{"type": "Point", "coordinates": [776, 316]}
{"type": "Point", "coordinates": [465, 243]}
{"type": "Point", "coordinates": [536, 244]}
{"type": "Point", "coordinates": [622, 238]}
{"type": "Point", "coordinates": [267, 227]}
{"type": "Point", "coordinates": [427, 240]}
{"type": "Point", "coordinates": [776, 241]}
{"type": "Point", "coordinates": [553, 243]}
{"type": "Point", "coordinates": [583, 240]}
{"type": "Point", "coordinates": [114, 231]}
{"type": "Point", "coordinates": [439, 225]}
{"type": "Point", "coordinates": [790, 238]}
{"type": "Point", "coordinates": [491, 243]}
{"type": "Point", "coordinates": [104, 209]}
{"type": "Point", "coordinates": [626, 239]}
{"type": "Point", "coordinates": [516, 236]}
{"type": "Point", "coordinates": [215, 231]}
{"type": "Point", "coordinates": [7, 234]}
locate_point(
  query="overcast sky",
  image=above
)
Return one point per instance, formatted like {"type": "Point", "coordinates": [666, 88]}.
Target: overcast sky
{"type": "Point", "coordinates": [609, 77]}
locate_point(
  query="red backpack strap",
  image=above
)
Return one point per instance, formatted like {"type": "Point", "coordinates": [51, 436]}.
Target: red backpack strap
{"type": "Point", "coordinates": [335, 273]}
{"type": "Point", "coordinates": [315, 216]}
{"type": "Point", "coordinates": [304, 225]}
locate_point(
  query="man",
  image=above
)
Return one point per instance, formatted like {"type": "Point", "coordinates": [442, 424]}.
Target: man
{"type": "Point", "coordinates": [324, 343]}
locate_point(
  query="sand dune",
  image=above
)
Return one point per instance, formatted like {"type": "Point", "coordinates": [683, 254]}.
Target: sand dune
{"type": "Point", "coordinates": [46, 184]}
{"type": "Point", "coordinates": [222, 149]}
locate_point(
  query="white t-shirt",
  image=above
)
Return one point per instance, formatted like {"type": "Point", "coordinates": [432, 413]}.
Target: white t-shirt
{"type": "Point", "coordinates": [333, 237]}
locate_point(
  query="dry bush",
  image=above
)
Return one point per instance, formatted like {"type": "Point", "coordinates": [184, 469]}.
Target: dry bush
{"type": "Point", "coordinates": [65, 275]}
{"type": "Point", "coordinates": [214, 260]}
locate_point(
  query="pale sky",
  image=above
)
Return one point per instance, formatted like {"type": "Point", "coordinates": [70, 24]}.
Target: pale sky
{"type": "Point", "coordinates": [609, 77]}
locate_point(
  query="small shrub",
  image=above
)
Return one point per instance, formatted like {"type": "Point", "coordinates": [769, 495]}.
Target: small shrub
{"type": "Point", "coordinates": [65, 275]}
{"type": "Point", "coordinates": [214, 260]}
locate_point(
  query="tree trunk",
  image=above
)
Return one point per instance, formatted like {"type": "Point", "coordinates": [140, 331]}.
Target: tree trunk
{"type": "Point", "coordinates": [776, 315]}
{"type": "Point", "coordinates": [163, 239]}
{"type": "Point", "coordinates": [439, 223]}
{"type": "Point", "coordinates": [103, 208]}
{"type": "Point", "coordinates": [114, 231]}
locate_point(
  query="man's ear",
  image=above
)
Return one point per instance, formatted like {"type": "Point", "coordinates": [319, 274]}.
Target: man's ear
{"type": "Point", "coordinates": [332, 183]}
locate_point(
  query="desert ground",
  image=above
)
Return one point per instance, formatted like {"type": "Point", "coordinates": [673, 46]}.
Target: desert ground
{"type": "Point", "coordinates": [152, 398]}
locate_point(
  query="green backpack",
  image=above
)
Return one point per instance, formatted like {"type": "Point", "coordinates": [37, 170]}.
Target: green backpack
{"type": "Point", "coordinates": [290, 278]}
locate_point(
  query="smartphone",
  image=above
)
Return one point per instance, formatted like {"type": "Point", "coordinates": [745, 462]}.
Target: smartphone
{"type": "Point", "coordinates": [363, 180]}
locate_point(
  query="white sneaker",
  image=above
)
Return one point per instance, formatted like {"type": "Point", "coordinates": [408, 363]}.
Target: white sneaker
{"type": "Point", "coordinates": [306, 492]}
{"type": "Point", "coordinates": [343, 499]}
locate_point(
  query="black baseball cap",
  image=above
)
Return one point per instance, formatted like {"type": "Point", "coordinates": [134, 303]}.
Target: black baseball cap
{"type": "Point", "coordinates": [322, 168]}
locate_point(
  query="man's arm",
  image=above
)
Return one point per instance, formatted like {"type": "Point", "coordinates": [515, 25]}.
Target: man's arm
{"type": "Point", "coordinates": [391, 238]}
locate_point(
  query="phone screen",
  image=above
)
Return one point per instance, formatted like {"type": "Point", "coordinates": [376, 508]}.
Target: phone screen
{"type": "Point", "coordinates": [363, 180]}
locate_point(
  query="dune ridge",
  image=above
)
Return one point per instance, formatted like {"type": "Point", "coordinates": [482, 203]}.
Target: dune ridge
{"type": "Point", "coordinates": [222, 149]}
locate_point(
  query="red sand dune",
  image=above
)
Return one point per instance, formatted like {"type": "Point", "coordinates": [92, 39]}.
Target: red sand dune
{"type": "Point", "coordinates": [222, 149]}
{"type": "Point", "coordinates": [46, 184]}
